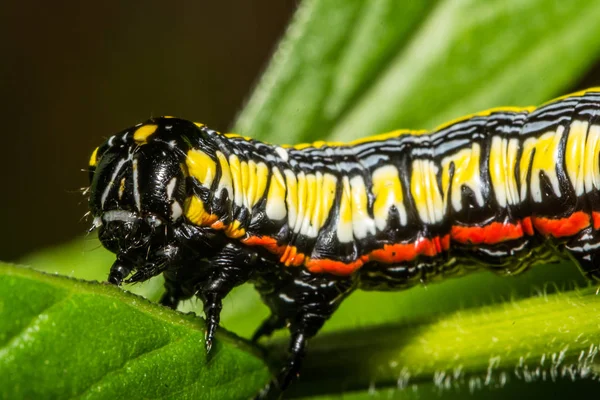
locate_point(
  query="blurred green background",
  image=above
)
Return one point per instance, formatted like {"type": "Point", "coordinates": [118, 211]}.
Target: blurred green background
{"type": "Point", "coordinates": [73, 73]}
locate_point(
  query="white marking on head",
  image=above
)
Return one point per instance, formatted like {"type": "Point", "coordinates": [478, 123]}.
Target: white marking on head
{"type": "Point", "coordinates": [153, 221]}
{"type": "Point", "coordinates": [171, 188]}
{"type": "Point", "coordinates": [136, 185]}
{"type": "Point", "coordinates": [119, 215]}
{"type": "Point", "coordinates": [112, 181]}
{"type": "Point", "coordinates": [97, 223]}
{"type": "Point", "coordinates": [176, 211]}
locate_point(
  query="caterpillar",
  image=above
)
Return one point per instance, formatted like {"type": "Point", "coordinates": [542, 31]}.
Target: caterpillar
{"type": "Point", "coordinates": [501, 189]}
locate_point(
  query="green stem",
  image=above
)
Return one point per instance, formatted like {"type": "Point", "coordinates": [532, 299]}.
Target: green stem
{"type": "Point", "coordinates": [537, 339]}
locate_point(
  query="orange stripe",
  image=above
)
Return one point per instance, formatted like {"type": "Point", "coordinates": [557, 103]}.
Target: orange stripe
{"type": "Point", "coordinates": [493, 233]}
{"type": "Point", "coordinates": [561, 227]}
{"type": "Point", "coordinates": [332, 266]}
{"type": "Point", "coordinates": [527, 226]}
{"type": "Point", "coordinates": [596, 219]}
{"type": "Point", "coordinates": [264, 241]}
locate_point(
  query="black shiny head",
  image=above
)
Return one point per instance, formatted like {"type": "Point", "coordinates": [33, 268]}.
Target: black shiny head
{"type": "Point", "coordinates": [138, 186]}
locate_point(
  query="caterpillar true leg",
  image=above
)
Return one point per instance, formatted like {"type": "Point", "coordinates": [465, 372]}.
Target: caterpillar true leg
{"type": "Point", "coordinates": [231, 267]}
{"type": "Point", "coordinates": [272, 323]}
{"type": "Point", "coordinates": [173, 293]}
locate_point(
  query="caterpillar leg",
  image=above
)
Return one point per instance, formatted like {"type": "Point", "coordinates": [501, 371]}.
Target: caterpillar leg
{"type": "Point", "coordinates": [174, 292]}
{"type": "Point", "coordinates": [268, 326]}
{"type": "Point", "coordinates": [306, 302]}
{"type": "Point", "coordinates": [300, 333]}
{"type": "Point", "coordinates": [183, 281]}
{"type": "Point", "coordinates": [231, 267]}
{"type": "Point", "coordinates": [585, 249]}
{"type": "Point", "coordinates": [119, 271]}
{"type": "Point", "coordinates": [589, 265]}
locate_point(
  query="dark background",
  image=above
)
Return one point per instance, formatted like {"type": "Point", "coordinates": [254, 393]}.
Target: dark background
{"type": "Point", "coordinates": [73, 73]}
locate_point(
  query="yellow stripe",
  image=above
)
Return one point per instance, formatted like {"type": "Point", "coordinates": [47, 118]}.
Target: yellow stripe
{"type": "Point", "coordinates": [236, 136]}
{"type": "Point", "coordinates": [575, 94]}
{"type": "Point", "coordinates": [201, 167]}
{"type": "Point", "coordinates": [484, 113]}
{"type": "Point", "coordinates": [369, 139]}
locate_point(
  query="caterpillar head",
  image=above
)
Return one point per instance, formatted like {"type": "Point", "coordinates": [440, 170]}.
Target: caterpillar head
{"type": "Point", "coordinates": [139, 187]}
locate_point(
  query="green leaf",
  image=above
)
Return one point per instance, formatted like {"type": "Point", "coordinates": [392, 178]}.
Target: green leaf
{"type": "Point", "coordinates": [63, 338]}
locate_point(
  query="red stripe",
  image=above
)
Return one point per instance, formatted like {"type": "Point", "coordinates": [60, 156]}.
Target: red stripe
{"type": "Point", "coordinates": [492, 233]}
{"type": "Point", "coordinates": [561, 227]}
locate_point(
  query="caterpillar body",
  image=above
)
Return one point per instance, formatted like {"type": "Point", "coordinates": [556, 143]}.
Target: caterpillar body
{"type": "Point", "coordinates": [502, 189]}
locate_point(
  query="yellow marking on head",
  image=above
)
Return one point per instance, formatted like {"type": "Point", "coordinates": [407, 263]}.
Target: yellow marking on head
{"type": "Point", "coordinates": [592, 159]}
{"type": "Point", "coordinates": [426, 192]}
{"type": "Point", "coordinates": [94, 158]}
{"type": "Point", "coordinates": [195, 212]}
{"type": "Point", "coordinates": [225, 182]}
{"type": "Point", "coordinates": [121, 188]}
{"type": "Point", "coordinates": [168, 116]}
{"type": "Point", "coordinates": [344, 223]}
{"type": "Point", "coordinates": [387, 190]}
{"type": "Point", "coordinates": [502, 165]}
{"type": "Point", "coordinates": [276, 199]}
{"type": "Point", "coordinates": [201, 167]}
{"type": "Point", "coordinates": [466, 173]}
{"type": "Point", "coordinates": [544, 150]}
{"type": "Point", "coordinates": [199, 125]}
{"type": "Point", "coordinates": [140, 136]}
{"type": "Point", "coordinates": [575, 157]}
{"type": "Point", "coordinates": [485, 113]}
{"type": "Point", "coordinates": [291, 198]}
